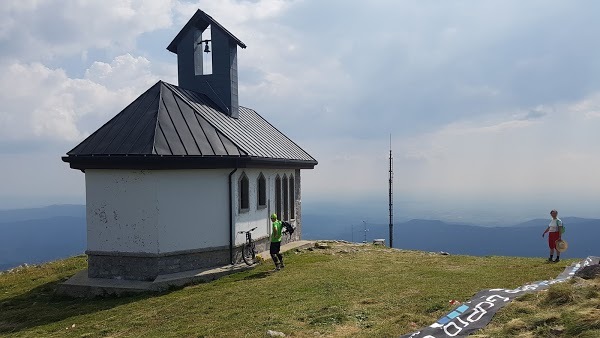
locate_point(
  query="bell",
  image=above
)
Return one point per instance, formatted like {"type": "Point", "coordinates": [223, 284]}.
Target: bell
{"type": "Point", "coordinates": [206, 48]}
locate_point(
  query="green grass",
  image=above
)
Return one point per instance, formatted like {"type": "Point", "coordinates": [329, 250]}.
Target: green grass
{"type": "Point", "coordinates": [570, 309]}
{"type": "Point", "coordinates": [343, 291]}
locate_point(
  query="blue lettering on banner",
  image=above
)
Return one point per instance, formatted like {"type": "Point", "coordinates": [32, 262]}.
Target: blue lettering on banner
{"type": "Point", "coordinates": [453, 314]}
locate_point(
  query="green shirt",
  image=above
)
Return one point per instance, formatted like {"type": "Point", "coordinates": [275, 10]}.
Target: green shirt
{"type": "Point", "coordinates": [276, 234]}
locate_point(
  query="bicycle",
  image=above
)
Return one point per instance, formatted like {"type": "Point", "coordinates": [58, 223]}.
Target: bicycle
{"type": "Point", "coordinates": [249, 249]}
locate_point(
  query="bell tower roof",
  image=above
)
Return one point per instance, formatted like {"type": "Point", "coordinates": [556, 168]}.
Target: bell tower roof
{"type": "Point", "coordinates": [200, 21]}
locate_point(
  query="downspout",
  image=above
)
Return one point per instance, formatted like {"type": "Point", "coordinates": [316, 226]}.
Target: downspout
{"type": "Point", "coordinates": [231, 215]}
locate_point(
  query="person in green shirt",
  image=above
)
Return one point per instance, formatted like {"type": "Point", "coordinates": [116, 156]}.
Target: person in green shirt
{"type": "Point", "coordinates": [276, 236]}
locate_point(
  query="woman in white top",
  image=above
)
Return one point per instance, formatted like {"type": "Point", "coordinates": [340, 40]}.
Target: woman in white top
{"type": "Point", "coordinates": [554, 235]}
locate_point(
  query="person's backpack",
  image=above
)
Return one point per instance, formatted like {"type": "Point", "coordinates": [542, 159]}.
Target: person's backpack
{"type": "Point", "coordinates": [562, 228]}
{"type": "Point", "coordinates": [288, 227]}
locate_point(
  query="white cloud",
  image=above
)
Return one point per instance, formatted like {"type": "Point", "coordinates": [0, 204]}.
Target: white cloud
{"type": "Point", "coordinates": [593, 114]}
{"type": "Point", "coordinates": [42, 30]}
{"type": "Point", "coordinates": [468, 129]}
{"type": "Point", "coordinates": [42, 104]}
{"type": "Point", "coordinates": [589, 108]}
{"type": "Point", "coordinates": [125, 71]}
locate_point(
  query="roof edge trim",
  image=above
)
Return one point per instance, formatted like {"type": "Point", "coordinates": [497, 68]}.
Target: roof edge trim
{"type": "Point", "coordinates": [181, 162]}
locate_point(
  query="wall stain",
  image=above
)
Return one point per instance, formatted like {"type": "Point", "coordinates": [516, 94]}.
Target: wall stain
{"type": "Point", "coordinates": [101, 214]}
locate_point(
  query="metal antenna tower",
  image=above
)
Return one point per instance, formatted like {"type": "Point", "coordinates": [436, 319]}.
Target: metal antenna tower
{"type": "Point", "coordinates": [391, 196]}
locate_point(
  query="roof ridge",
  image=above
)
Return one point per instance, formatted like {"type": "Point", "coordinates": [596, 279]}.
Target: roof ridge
{"type": "Point", "coordinates": [114, 117]}
{"type": "Point", "coordinates": [185, 100]}
{"type": "Point", "coordinates": [156, 124]}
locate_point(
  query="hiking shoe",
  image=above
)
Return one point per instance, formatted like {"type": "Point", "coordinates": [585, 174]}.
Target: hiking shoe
{"type": "Point", "coordinates": [556, 260]}
{"type": "Point", "coordinates": [281, 266]}
{"type": "Point", "coordinates": [550, 260]}
{"type": "Point", "coordinates": [277, 268]}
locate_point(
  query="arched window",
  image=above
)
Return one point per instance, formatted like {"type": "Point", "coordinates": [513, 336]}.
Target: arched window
{"type": "Point", "coordinates": [292, 198]}
{"type": "Point", "coordinates": [278, 196]}
{"type": "Point", "coordinates": [244, 197]}
{"type": "Point", "coordinates": [285, 198]}
{"type": "Point", "coordinates": [262, 191]}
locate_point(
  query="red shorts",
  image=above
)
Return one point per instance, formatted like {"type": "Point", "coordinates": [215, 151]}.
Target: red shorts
{"type": "Point", "coordinates": [552, 238]}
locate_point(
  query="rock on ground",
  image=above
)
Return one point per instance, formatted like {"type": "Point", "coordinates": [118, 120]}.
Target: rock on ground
{"type": "Point", "coordinates": [589, 272]}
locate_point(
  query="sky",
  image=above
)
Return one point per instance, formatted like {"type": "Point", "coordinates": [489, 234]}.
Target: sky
{"type": "Point", "coordinates": [493, 107]}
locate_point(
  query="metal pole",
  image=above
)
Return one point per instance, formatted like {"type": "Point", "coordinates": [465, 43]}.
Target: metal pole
{"type": "Point", "coordinates": [365, 225]}
{"type": "Point", "coordinates": [391, 197]}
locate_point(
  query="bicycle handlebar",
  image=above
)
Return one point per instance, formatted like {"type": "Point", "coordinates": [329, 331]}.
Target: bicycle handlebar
{"type": "Point", "coordinates": [244, 232]}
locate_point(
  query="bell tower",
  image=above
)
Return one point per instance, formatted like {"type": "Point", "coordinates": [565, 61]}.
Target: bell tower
{"type": "Point", "coordinates": [207, 61]}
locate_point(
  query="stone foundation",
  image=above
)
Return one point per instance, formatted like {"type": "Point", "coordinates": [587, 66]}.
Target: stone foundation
{"type": "Point", "coordinates": [146, 267]}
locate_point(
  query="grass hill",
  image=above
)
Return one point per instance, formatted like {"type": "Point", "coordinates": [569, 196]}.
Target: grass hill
{"type": "Point", "coordinates": [343, 290]}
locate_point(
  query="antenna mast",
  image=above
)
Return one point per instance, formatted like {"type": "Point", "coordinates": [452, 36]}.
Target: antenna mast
{"type": "Point", "coordinates": [391, 197]}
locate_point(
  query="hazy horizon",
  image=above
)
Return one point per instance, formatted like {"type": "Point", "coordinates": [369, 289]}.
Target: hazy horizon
{"type": "Point", "coordinates": [376, 212]}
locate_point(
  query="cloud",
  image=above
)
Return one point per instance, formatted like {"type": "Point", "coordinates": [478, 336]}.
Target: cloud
{"type": "Point", "coordinates": [589, 108]}
{"type": "Point", "coordinates": [535, 114]}
{"type": "Point", "coordinates": [44, 30]}
{"type": "Point", "coordinates": [125, 71]}
{"type": "Point", "coordinates": [42, 104]}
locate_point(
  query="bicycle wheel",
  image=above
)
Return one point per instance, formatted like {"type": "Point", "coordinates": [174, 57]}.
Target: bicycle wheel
{"type": "Point", "coordinates": [248, 254]}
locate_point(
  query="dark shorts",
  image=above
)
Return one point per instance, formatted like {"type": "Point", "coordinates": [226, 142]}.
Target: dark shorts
{"type": "Point", "coordinates": [275, 247]}
{"type": "Point", "coordinates": [552, 238]}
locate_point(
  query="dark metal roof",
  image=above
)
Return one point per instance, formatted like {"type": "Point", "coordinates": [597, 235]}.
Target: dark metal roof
{"type": "Point", "coordinates": [167, 122]}
{"type": "Point", "coordinates": [251, 132]}
{"type": "Point", "coordinates": [200, 20]}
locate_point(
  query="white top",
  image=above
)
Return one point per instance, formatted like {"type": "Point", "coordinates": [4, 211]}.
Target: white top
{"type": "Point", "coordinates": [554, 224]}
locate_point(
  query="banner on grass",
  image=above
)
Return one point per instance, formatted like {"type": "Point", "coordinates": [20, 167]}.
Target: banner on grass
{"type": "Point", "coordinates": [479, 310]}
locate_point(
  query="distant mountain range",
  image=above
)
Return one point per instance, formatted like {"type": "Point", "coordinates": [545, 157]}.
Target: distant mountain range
{"type": "Point", "coordinates": [43, 234]}
{"type": "Point", "coordinates": [523, 239]}
{"type": "Point", "coordinates": [41, 240]}
{"type": "Point", "coordinates": [15, 215]}
{"type": "Point", "coordinates": [39, 235]}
